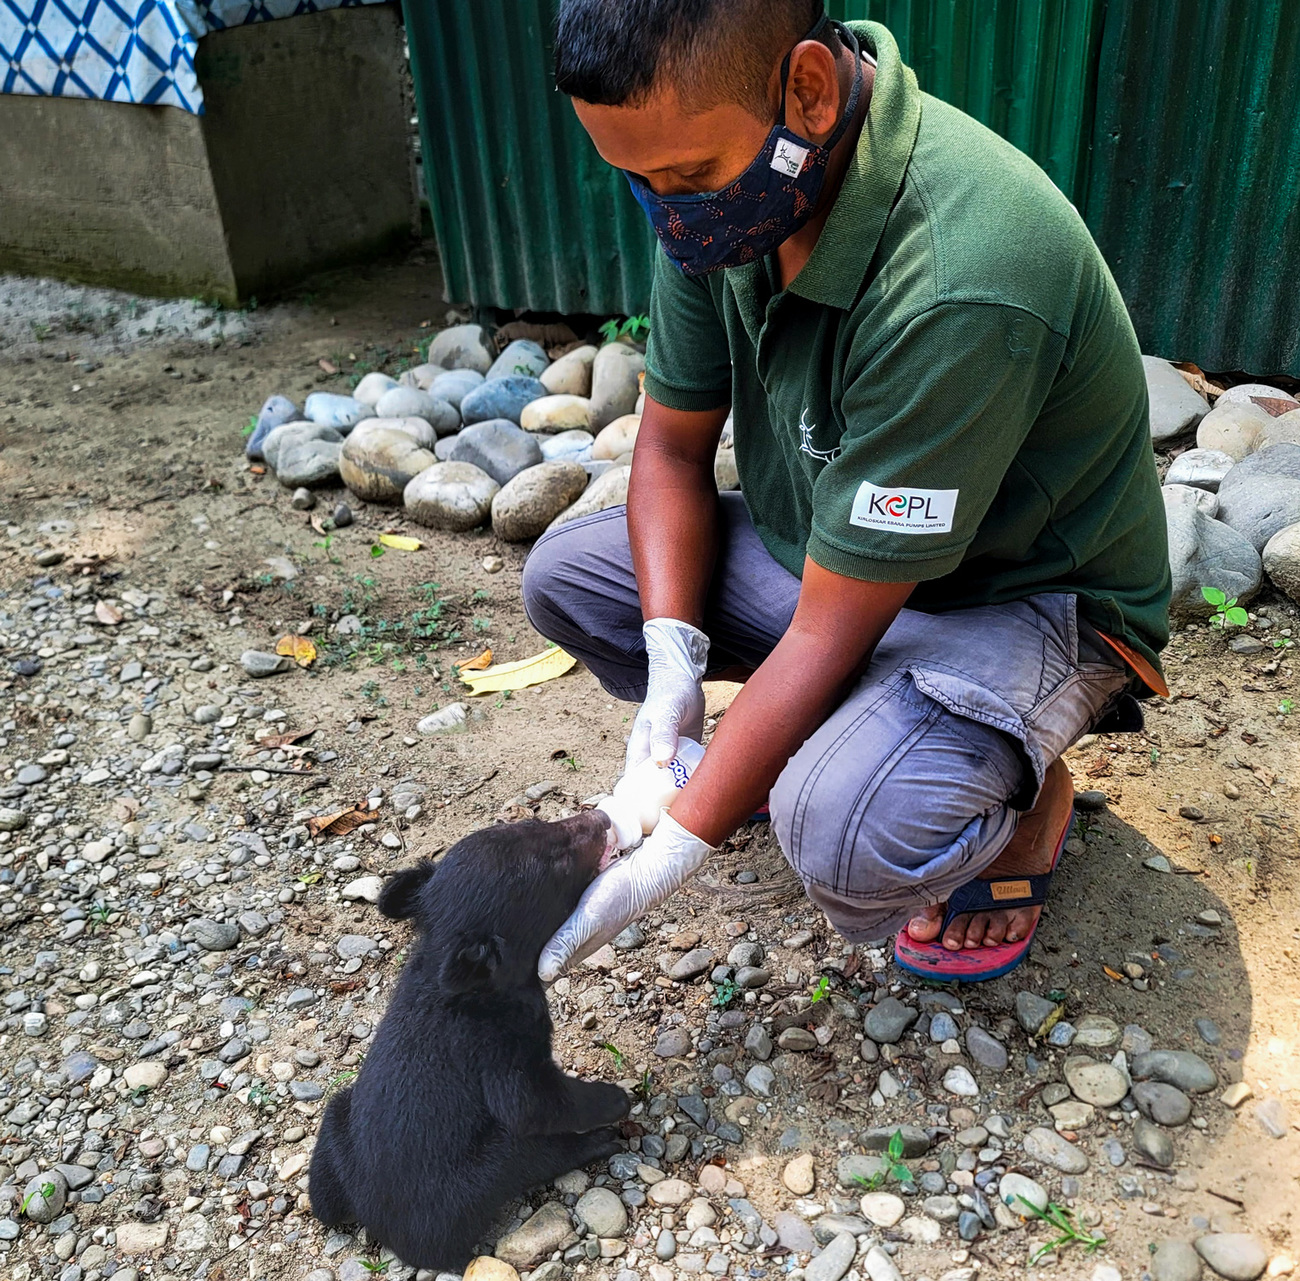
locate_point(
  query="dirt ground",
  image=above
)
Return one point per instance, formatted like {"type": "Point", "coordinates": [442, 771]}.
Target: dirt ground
{"type": "Point", "coordinates": [142, 454]}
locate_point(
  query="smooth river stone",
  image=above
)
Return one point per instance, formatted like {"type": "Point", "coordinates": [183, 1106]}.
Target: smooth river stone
{"type": "Point", "coordinates": [455, 385]}
{"type": "Point", "coordinates": [609, 490]}
{"type": "Point", "coordinates": [500, 398]}
{"type": "Point", "coordinates": [615, 383]}
{"type": "Point", "coordinates": [1097, 1083]}
{"type": "Point", "coordinates": [451, 496]}
{"type": "Point", "coordinates": [557, 414]}
{"type": "Point", "coordinates": [377, 464]}
{"type": "Point", "coordinates": [292, 434]}
{"type": "Point", "coordinates": [372, 387]}
{"type": "Point", "coordinates": [497, 446]}
{"type": "Point", "coordinates": [522, 358]}
{"type": "Point", "coordinates": [571, 374]}
{"type": "Point", "coordinates": [340, 412]}
{"type": "Point", "coordinates": [277, 411]}
{"type": "Point", "coordinates": [532, 499]}
{"type": "Point", "coordinates": [461, 347]}
{"type": "Point", "coordinates": [407, 402]}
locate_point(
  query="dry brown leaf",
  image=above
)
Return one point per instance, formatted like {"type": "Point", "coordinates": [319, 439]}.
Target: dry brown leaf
{"type": "Point", "coordinates": [484, 660]}
{"type": "Point", "coordinates": [299, 648]}
{"type": "Point", "coordinates": [125, 808]}
{"type": "Point", "coordinates": [106, 614]}
{"type": "Point", "coordinates": [318, 524]}
{"type": "Point", "coordinates": [341, 823]}
{"type": "Point", "coordinates": [1112, 974]}
{"type": "Point", "coordinates": [1275, 406]}
{"type": "Point", "coordinates": [273, 742]}
{"type": "Point", "coordinates": [328, 365]}
{"type": "Point", "coordinates": [1197, 379]}
{"type": "Point", "coordinates": [257, 469]}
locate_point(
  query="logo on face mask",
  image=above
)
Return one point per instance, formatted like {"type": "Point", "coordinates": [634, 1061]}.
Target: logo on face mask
{"type": "Point", "coordinates": [788, 158]}
{"type": "Point", "coordinates": [904, 511]}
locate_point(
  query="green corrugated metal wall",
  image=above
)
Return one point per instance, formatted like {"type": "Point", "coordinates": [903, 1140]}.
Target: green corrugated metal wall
{"type": "Point", "coordinates": [1195, 188]}
{"type": "Point", "coordinates": [1174, 125]}
{"type": "Point", "coordinates": [526, 213]}
{"type": "Point", "coordinates": [1022, 67]}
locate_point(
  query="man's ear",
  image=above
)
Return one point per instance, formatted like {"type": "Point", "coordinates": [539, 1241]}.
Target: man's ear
{"type": "Point", "coordinates": [473, 965]}
{"type": "Point", "coordinates": [400, 897]}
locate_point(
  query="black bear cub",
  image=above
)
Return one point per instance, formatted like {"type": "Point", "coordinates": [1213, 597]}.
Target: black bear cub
{"type": "Point", "coordinates": [459, 1106]}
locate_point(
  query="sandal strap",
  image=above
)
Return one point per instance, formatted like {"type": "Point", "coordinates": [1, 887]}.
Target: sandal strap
{"type": "Point", "coordinates": [988, 896]}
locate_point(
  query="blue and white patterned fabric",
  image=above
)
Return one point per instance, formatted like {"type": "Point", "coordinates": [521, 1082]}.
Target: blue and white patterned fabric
{"type": "Point", "coordinates": [139, 51]}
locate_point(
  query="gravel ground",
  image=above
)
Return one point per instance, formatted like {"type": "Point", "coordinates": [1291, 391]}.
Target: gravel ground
{"type": "Point", "coordinates": [186, 971]}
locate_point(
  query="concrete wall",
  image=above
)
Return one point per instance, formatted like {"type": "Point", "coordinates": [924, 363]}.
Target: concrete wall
{"type": "Point", "coordinates": [300, 163]}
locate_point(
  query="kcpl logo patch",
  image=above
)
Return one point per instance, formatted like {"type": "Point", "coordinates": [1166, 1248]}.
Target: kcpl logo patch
{"type": "Point", "coordinates": [904, 511]}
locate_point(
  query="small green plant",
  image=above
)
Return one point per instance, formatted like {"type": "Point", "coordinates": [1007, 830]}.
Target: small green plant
{"type": "Point", "coordinates": [1155, 756]}
{"type": "Point", "coordinates": [615, 1053]}
{"type": "Point", "coordinates": [821, 989]}
{"type": "Point", "coordinates": [342, 1078]}
{"type": "Point", "coordinates": [571, 762]}
{"type": "Point", "coordinates": [327, 544]}
{"type": "Point", "coordinates": [644, 1086]}
{"type": "Point", "coordinates": [1225, 611]}
{"type": "Point", "coordinates": [261, 1096]}
{"type": "Point", "coordinates": [99, 914]}
{"type": "Point", "coordinates": [249, 427]}
{"type": "Point", "coordinates": [896, 1169]}
{"type": "Point", "coordinates": [1283, 642]}
{"type": "Point", "coordinates": [634, 327]}
{"type": "Point", "coordinates": [45, 1192]}
{"type": "Point", "coordinates": [375, 1267]}
{"type": "Point", "coordinates": [724, 993]}
{"type": "Point", "coordinates": [482, 625]}
{"type": "Point", "coordinates": [1065, 1222]}
{"type": "Point", "coordinates": [1286, 707]}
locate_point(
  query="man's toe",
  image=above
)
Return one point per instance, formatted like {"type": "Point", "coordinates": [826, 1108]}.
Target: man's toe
{"type": "Point", "coordinates": [924, 926]}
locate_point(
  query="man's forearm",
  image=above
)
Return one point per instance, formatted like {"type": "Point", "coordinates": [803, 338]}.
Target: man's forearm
{"type": "Point", "coordinates": [802, 681]}
{"type": "Point", "coordinates": [672, 511]}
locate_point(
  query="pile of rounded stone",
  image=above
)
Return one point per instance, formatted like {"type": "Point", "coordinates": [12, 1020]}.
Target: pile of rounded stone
{"type": "Point", "coordinates": [519, 440]}
{"type": "Point", "coordinates": [1233, 501]}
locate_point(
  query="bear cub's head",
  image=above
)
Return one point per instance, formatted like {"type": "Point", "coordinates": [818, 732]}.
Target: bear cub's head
{"type": "Point", "coordinates": [491, 903]}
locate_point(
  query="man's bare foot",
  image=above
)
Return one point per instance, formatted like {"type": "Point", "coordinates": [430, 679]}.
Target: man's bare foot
{"type": "Point", "coordinates": [1029, 853]}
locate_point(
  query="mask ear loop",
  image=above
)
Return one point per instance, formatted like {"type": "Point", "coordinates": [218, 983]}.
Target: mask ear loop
{"type": "Point", "coordinates": [849, 39]}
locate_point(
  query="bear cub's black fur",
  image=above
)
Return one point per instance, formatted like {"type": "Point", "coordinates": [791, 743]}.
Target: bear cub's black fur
{"type": "Point", "coordinates": [459, 1106]}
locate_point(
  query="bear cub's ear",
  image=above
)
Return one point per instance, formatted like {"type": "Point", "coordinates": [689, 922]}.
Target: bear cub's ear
{"type": "Point", "coordinates": [400, 897]}
{"type": "Point", "coordinates": [473, 964]}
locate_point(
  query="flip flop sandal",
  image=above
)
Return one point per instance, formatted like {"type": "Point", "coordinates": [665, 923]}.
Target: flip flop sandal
{"type": "Point", "coordinates": [978, 964]}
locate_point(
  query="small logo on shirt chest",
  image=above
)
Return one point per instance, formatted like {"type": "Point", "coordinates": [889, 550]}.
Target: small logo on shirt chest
{"type": "Point", "coordinates": [904, 511]}
{"type": "Point", "coordinates": [806, 430]}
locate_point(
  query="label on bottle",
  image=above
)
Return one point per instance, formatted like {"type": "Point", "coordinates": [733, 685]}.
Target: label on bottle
{"type": "Point", "coordinates": [681, 775]}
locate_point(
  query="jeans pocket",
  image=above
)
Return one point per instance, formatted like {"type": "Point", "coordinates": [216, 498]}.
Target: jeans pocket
{"type": "Point", "coordinates": [967, 698]}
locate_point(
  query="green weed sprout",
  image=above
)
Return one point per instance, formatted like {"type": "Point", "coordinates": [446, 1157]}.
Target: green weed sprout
{"type": "Point", "coordinates": [1066, 1223]}
{"type": "Point", "coordinates": [1225, 611]}
{"type": "Point", "coordinates": [896, 1171]}
{"type": "Point", "coordinates": [821, 990]}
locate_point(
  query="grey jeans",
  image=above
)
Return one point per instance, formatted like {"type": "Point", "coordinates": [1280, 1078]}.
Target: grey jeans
{"type": "Point", "coordinates": [915, 783]}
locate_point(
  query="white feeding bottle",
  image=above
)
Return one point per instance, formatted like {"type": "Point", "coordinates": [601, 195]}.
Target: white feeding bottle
{"type": "Point", "coordinates": [646, 790]}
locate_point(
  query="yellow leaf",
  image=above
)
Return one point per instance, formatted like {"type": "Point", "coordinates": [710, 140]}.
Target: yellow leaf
{"type": "Point", "coordinates": [400, 543]}
{"type": "Point", "coordinates": [545, 666]}
{"type": "Point", "coordinates": [478, 664]}
{"type": "Point", "coordinates": [299, 648]}
{"type": "Point", "coordinates": [1112, 974]}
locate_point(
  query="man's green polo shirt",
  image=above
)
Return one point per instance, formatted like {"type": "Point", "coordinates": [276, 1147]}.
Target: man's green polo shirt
{"type": "Point", "coordinates": [950, 392]}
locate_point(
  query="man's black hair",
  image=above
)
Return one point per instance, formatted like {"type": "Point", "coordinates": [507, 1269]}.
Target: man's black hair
{"type": "Point", "coordinates": [617, 52]}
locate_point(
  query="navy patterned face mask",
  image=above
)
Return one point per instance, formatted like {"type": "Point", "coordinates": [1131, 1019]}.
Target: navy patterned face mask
{"type": "Point", "coordinates": [766, 205]}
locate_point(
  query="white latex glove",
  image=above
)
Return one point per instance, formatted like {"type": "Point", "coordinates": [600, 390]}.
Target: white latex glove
{"type": "Point", "coordinates": [639, 881]}
{"type": "Point", "coordinates": [674, 700]}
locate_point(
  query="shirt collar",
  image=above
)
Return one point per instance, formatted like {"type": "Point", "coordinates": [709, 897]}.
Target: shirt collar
{"type": "Point", "coordinates": [835, 271]}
